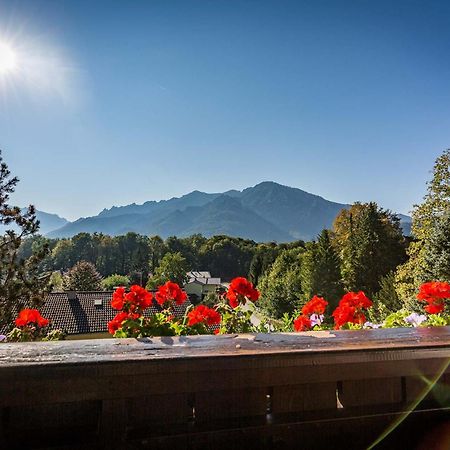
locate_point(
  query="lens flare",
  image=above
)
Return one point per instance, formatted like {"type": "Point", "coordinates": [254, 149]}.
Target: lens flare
{"type": "Point", "coordinates": [8, 59]}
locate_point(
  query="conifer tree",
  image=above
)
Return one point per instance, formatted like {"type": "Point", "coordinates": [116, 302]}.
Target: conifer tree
{"type": "Point", "coordinates": [83, 276]}
{"type": "Point", "coordinates": [21, 281]}
{"type": "Point", "coordinates": [370, 244]}
{"type": "Point", "coordinates": [320, 271]}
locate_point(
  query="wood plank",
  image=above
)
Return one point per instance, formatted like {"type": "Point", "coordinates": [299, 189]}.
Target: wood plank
{"type": "Point", "coordinates": [371, 392]}
{"type": "Point", "coordinates": [303, 397]}
{"type": "Point", "coordinates": [230, 403]}
{"type": "Point", "coordinates": [188, 347]}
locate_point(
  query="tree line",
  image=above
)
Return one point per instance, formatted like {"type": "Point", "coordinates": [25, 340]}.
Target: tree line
{"type": "Point", "coordinates": [364, 250]}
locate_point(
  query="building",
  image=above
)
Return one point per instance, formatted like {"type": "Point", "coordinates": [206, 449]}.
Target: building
{"type": "Point", "coordinates": [86, 314]}
{"type": "Point", "coordinates": [200, 284]}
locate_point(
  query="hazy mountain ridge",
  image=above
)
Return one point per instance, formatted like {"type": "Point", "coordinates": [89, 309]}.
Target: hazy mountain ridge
{"type": "Point", "coordinates": [265, 212]}
{"type": "Point", "coordinates": [47, 222]}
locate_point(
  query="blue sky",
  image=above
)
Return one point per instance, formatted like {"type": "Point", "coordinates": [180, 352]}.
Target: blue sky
{"type": "Point", "coordinates": [115, 102]}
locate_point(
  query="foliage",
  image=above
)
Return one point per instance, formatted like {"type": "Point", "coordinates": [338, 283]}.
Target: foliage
{"type": "Point", "coordinates": [21, 278]}
{"type": "Point", "coordinates": [173, 267]}
{"type": "Point", "coordinates": [263, 257]}
{"type": "Point", "coordinates": [426, 221]}
{"type": "Point", "coordinates": [397, 319]}
{"type": "Point", "coordinates": [157, 249]}
{"type": "Point", "coordinates": [56, 281]}
{"type": "Point", "coordinates": [386, 300]}
{"type": "Point", "coordinates": [280, 287]}
{"type": "Point", "coordinates": [437, 250]}
{"type": "Point", "coordinates": [370, 244]}
{"type": "Point", "coordinates": [320, 270]}
{"type": "Point", "coordinates": [211, 299]}
{"type": "Point", "coordinates": [114, 281]}
{"type": "Point", "coordinates": [31, 326]}
{"type": "Point", "coordinates": [83, 276]}
{"type": "Point", "coordinates": [226, 256]}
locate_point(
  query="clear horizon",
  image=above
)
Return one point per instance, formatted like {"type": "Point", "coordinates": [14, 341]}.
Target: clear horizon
{"type": "Point", "coordinates": [112, 103]}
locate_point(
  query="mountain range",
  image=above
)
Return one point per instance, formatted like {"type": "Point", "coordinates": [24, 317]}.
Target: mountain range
{"type": "Point", "coordinates": [266, 212]}
{"type": "Point", "coordinates": [48, 222]}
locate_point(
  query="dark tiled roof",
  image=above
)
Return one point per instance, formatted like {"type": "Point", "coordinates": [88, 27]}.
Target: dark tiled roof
{"type": "Point", "coordinates": [81, 315]}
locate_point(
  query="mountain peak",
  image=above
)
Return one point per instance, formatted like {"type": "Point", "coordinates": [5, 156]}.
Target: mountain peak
{"type": "Point", "coordinates": [267, 211]}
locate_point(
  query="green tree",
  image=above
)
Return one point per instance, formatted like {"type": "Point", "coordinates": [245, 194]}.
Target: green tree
{"type": "Point", "coordinates": [157, 249]}
{"type": "Point", "coordinates": [227, 257]}
{"type": "Point", "coordinates": [83, 276]}
{"type": "Point", "coordinates": [63, 255]}
{"type": "Point", "coordinates": [425, 219]}
{"type": "Point", "coordinates": [437, 251]}
{"type": "Point", "coordinates": [173, 267]}
{"type": "Point", "coordinates": [113, 281]}
{"type": "Point", "coordinates": [386, 300]}
{"type": "Point", "coordinates": [109, 259]}
{"type": "Point", "coordinates": [320, 271]}
{"type": "Point", "coordinates": [281, 289]}
{"type": "Point", "coordinates": [370, 244]}
{"type": "Point", "coordinates": [263, 257]}
{"type": "Point", "coordinates": [56, 281]}
{"type": "Point", "coordinates": [134, 251]}
{"type": "Point", "coordinates": [21, 280]}
{"type": "Point", "coordinates": [84, 247]}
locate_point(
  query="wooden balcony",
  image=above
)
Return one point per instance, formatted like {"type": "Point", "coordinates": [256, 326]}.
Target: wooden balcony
{"type": "Point", "coordinates": [345, 389]}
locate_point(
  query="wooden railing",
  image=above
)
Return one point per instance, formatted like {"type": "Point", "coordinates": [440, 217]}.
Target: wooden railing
{"type": "Point", "coordinates": [346, 389]}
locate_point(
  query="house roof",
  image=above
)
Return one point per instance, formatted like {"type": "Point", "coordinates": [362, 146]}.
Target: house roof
{"type": "Point", "coordinates": [196, 274]}
{"type": "Point", "coordinates": [211, 281]}
{"type": "Point", "coordinates": [87, 312]}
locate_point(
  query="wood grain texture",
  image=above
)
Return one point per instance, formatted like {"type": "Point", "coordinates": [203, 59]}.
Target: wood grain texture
{"type": "Point", "coordinates": [214, 391]}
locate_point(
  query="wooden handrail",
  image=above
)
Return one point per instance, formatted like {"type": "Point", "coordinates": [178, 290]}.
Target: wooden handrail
{"type": "Point", "coordinates": [232, 391]}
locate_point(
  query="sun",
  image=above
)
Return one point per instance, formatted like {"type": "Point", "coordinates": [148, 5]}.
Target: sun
{"type": "Point", "coordinates": [8, 59]}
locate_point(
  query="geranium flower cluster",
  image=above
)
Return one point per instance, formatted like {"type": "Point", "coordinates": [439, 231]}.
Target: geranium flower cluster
{"type": "Point", "coordinates": [131, 305]}
{"type": "Point", "coordinates": [170, 293]}
{"type": "Point", "coordinates": [135, 301]}
{"type": "Point", "coordinates": [434, 293]}
{"type": "Point", "coordinates": [351, 309]}
{"type": "Point", "coordinates": [312, 314]}
{"type": "Point", "coordinates": [241, 290]}
{"type": "Point", "coordinates": [202, 314]}
{"type": "Point", "coordinates": [131, 322]}
{"type": "Point", "coordinates": [31, 326]}
{"type": "Point", "coordinates": [31, 317]}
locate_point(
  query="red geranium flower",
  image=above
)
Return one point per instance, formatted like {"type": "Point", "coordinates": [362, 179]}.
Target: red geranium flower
{"type": "Point", "coordinates": [434, 293]}
{"type": "Point", "coordinates": [136, 300]}
{"type": "Point", "coordinates": [31, 316]}
{"type": "Point", "coordinates": [433, 290]}
{"type": "Point", "coordinates": [435, 307]}
{"type": "Point", "coordinates": [118, 298]}
{"type": "Point", "coordinates": [118, 320]}
{"type": "Point", "coordinates": [302, 323]}
{"type": "Point", "coordinates": [170, 292]}
{"type": "Point", "coordinates": [316, 305]}
{"type": "Point", "coordinates": [240, 290]}
{"type": "Point", "coordinates": [350, 309]}
{"type": "Point", "coordinates": [203, 314]}
{"type": "Point", "coordinates": [347, 314]}
{"type": "Point", "coordinates": [356, 299]}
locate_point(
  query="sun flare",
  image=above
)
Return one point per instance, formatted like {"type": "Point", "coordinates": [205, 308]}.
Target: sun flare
{"type": "Point", "coordinates": [8, 59]}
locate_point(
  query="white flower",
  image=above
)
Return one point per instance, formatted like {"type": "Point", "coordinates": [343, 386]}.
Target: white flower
{"type": "Point", "coordinates": [316, 319]}
{"type": "Point", "coordinates": [415, 319]}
